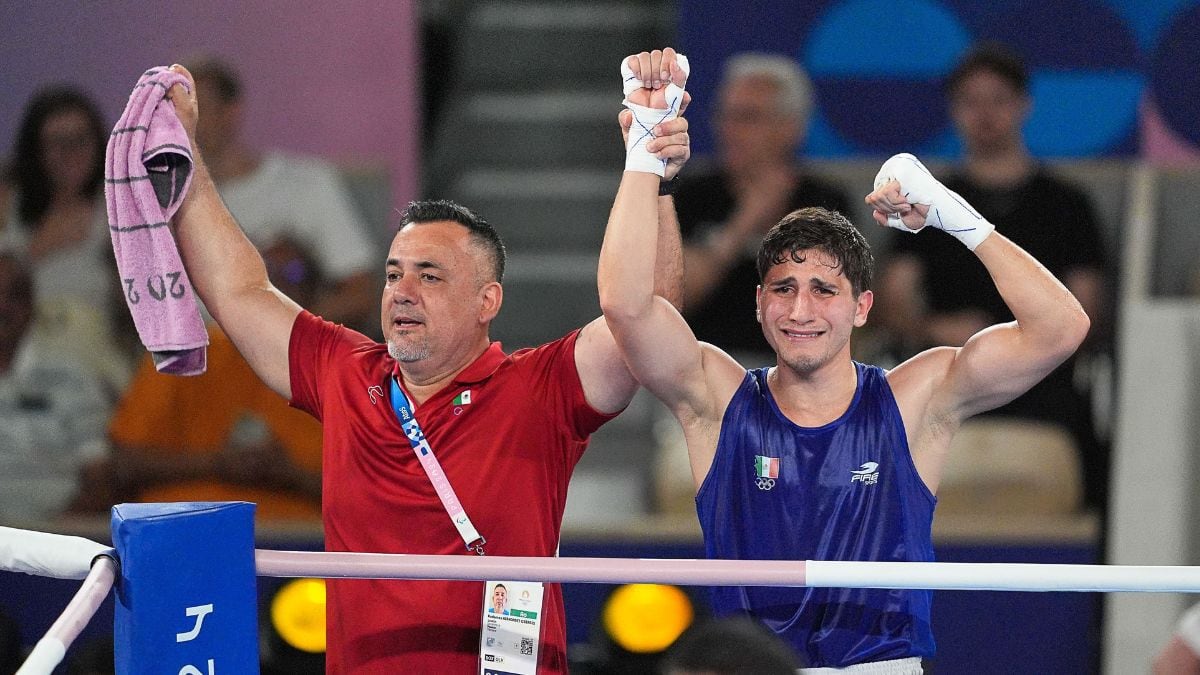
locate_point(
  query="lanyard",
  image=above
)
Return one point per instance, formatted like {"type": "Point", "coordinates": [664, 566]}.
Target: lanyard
{"type": "Point", "coordinates": [433, 469]}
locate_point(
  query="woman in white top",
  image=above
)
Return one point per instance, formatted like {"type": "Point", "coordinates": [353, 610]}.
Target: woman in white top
{"type": "Point", "coordinates": [55, 218]}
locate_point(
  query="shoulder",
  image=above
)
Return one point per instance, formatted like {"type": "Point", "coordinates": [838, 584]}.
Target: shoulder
{"type": "Point", "coordinates": [915, 382]}
{"type": "Point", "coordinates": [723, 377]}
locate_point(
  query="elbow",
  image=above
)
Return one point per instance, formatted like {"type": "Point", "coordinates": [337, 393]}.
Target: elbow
{"type": "Point", "coordinates": [1074, 330]}
{"type": "Point", "coordinates": [622, 307]}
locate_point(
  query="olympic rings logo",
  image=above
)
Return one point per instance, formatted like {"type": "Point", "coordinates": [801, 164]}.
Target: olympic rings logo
{"type": "Point", "coordinates": [765, 483]}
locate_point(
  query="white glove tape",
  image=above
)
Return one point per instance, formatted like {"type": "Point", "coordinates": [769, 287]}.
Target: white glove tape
{"type": "Point", "coordinates": [637, 158]}
{"type": "Point", "coordinates": [947, 210]}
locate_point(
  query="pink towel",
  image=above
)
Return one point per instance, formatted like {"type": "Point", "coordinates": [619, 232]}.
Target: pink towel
{"type": "Point", "coordinates": [147, 171]}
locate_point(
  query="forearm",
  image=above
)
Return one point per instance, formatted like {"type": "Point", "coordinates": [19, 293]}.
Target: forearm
{"type": "Point", "coordinates": [628, 255]}
{"type": "Point", "coordinates": [1046, 312]}
{"type": "Point", "coordinates": [229, 276]}
{"type": "Point", "coordinates": [222, 263]}
{"type": "Point", "coordinates": [668, 269]}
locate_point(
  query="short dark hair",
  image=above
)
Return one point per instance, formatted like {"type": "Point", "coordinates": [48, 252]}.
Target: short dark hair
{"type": "Point", "coordinates": [482, 233]}
{"type": "Point", "coordinates": [229, 84]}
{"type": "Point", "coordinates": [819, 229]}
{"type": "Point", "coordinates": [731, 646]}
{"type": "Point", "coordinates": [992, 57]}
{"type": "Point", "coordinates": [28, 174]}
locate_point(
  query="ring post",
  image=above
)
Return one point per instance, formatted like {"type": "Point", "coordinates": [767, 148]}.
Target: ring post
{"type": "Point", "coordinates": [186, 601]}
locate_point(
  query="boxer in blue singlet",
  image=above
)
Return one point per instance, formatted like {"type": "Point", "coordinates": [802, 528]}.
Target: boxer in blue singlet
{"type": "Point", "coordinates": [820, 457]}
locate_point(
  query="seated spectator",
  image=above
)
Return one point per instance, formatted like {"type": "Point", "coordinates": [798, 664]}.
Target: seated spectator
{"type": "Point", "coordinates": [274, 195]}
{"type": "Point", "coordinates": [52, 410]}
{"type": "Point", "coordinates": [54, 216]}
{"type": "Point", "coordinates": [934, 292]}
{"type": "Point", "coordinates": [724, 209]}
{"type": "Point", "coordinates": [222, 435]}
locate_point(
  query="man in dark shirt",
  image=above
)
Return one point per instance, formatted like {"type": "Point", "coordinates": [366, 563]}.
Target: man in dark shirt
{"type": "Point", "coordinates": [724, 210]}
{"type": "Point", "coordinates": [934, 293]}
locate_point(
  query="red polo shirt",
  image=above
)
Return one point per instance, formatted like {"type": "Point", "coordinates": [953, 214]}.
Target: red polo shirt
{"type": "Point", "coordinates": [509, 454]}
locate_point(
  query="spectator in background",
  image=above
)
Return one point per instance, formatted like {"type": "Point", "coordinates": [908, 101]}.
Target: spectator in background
{"type": "Point", "coordinates": [222, 435]}
{"type": "Point", "coordinates": [274, 195]}
{"type": "Point", "coordinates": [52, 411]}
{"type": "Point", "coordinates": [933, 292]}
{"type": "Point", "coordinates": [762, 114]}
{"type": "Point", "coordinates": [53, 215]}
{"type": "Point", "coordinates": [730, 646]}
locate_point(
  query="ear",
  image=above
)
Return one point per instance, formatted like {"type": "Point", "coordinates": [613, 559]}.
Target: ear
{"type": "Point", "coordinates": [866, 300]}
{"type": "Point", "coordinates": [491, 296]}
{"type": "Point", "coordinates": [758, 304]}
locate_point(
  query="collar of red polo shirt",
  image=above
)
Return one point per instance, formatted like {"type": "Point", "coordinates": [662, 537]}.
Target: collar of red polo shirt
{"type": "Point", "coordinates": [433, 469]}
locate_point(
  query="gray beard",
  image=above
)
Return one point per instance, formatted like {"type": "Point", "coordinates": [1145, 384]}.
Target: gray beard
{"type": "Point", "coordinates": [408, 354]}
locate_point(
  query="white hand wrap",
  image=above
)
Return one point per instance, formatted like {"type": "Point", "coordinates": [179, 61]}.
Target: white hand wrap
{"type": "Point", "coordinates": [947, 210]}
{"type": "Point", "coordinates": [637, 158]}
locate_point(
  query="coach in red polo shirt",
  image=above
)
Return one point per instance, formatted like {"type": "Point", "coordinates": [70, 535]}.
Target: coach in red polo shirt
{"type": "Point", "coordinates": [437, 440]}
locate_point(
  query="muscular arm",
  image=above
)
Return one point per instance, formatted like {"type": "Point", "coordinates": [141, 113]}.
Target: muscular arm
{"type": "Point", "coordinates": [694, 380]}
{"type": "Point", "coordinates": [1003, 361]}
{"type": "Point", "coordinates": [228, 271]}
{"type": "Point", "coordinates": [939, 388]}
{"type": "Point", "coordinates": [607, 382]}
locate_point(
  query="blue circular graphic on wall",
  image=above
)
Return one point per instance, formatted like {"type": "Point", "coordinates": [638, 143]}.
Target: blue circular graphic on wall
{"type": "Point", "coordinates": [877, 74]}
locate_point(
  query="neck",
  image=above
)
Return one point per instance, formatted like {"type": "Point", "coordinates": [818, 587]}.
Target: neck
{"type": "Point", "coordinates": [1005, 168]}
{"type": "Point", "coordinates": [422, 380]}
{"type": "Point", "coordinates": [816, 398]}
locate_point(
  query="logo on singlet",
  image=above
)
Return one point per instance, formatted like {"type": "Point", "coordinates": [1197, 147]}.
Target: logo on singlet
{"type": "Point", "coordinates": [375, 392]}
{"type": "Point", "coordinates": [867, 474]}
{"type": "Point", "coordinates": [766, 470]}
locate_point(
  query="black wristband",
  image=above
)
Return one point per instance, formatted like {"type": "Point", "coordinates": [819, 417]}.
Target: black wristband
{"type": "Point", "coordinates": [667, 187]}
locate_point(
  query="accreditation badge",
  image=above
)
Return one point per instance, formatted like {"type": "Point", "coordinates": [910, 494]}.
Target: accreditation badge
{"type": "Point", "coordinates": [512, 628]}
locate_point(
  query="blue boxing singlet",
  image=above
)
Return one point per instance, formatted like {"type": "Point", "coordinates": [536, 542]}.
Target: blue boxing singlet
{"type": "Point", "coordinates": [845, 491]}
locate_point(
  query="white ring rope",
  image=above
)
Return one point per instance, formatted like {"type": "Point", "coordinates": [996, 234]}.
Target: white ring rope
{"type": "Point", "coordinates": [61, 557]}
{"type": "Point", "coordinates": [812, 573]}
{"type": "Point", "coordinates": [49, 651]}
{"type": "Point", "coordinates": [66, 557]}
{"type": "Point", "coordinates": [48, 555]}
